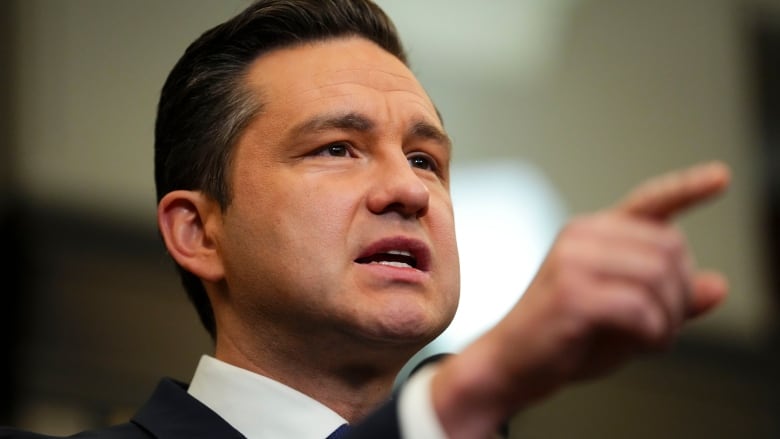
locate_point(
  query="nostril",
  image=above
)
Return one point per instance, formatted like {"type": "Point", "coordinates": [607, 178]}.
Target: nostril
{"type": "Point", "coordinates": [407, 211]}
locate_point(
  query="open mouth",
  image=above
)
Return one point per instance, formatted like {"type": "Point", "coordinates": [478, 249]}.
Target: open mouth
{"type": "Point", "coordinates": [393, 258]}
{"type": "Point", "coordinates": [397, 252]}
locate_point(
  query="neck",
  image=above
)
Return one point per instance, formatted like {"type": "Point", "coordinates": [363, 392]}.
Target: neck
{"type": "Point", "coordinates": [351, 380]}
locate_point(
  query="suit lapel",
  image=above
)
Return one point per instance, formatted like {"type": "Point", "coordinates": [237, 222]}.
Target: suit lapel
{"type": "Point", "coordinates": [171, 413]}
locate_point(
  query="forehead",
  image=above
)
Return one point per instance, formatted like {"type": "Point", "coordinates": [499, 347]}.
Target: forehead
{"type": "Point", "coordinates": [350, 70]}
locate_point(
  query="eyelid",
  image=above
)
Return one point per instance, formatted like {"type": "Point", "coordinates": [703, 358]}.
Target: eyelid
{"type": "Point", "coordinates": [436, 166]}
{"type": "Point", "coordinates": [350, 149]}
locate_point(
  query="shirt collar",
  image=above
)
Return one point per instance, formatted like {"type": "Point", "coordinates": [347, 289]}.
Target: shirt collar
{"type": "Point", "coordinates": [258, 406]}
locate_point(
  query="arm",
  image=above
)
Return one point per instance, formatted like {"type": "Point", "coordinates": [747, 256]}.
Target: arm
{"type": "Point", "coordinates": [617, 283]}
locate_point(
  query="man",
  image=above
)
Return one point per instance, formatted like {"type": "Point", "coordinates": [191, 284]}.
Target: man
{"type": "Point", "coordinates": [303, 185]}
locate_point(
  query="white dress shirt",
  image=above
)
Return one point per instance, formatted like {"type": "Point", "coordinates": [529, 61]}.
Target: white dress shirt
{"type": "Point", "coordinates": [260, 408]}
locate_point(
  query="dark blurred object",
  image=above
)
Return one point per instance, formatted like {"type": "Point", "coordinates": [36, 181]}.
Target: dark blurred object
{"type": "Point", "coordinates": [11, 222]}
{"type": "Point", "coordinates": [766, 94]}
{"type": "Point", "coordinates": [13, 273]}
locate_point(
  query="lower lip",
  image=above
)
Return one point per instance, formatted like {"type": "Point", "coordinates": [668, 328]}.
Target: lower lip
{"type": "Point", "coordinates": [396, 274]}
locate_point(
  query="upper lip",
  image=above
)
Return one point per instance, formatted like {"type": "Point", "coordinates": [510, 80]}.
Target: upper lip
{"type": "Point", "coordinates": [399, 246]}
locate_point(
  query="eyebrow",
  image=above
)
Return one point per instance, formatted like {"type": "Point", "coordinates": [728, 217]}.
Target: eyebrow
{"type": "Point", "coordinates": [346, 121]}
{"type": "Point", "coordinates": [425, 130]}
{"type": "Point", "coordinates": [357, 122]}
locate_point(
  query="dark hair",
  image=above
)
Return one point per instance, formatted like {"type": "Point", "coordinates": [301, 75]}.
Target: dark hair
{"type": "Point", "coordinates": [205, 103]}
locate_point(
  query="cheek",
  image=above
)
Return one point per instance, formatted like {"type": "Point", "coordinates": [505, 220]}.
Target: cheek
{"type": "Point", "coordinates": [442, 230]}
{"type": "Point", "coordinates": [282, 243]}
{"type": "Point", "coordinates": [312, 225]}
{"type": "Point", "coordinates": [442, 226]}
{"type": "Point", "coordinates": [325, 212]}
{"type": "Point", "coordinates": [320, 207]}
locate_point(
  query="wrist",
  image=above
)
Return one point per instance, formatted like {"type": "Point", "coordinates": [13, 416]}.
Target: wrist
{"type": "Point", "coordinates": [468, 394]}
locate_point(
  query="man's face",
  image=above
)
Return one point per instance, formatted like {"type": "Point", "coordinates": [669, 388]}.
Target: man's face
{"type": "Point", "coordinates": [341, 219]}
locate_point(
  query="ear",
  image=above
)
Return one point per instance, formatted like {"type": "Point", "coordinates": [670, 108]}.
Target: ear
{"type": "Point", "coordinates": [187, 221]}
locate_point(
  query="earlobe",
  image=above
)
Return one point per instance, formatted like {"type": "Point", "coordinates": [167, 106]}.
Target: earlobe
{"type": "Point", "coordinates": [182, 217]}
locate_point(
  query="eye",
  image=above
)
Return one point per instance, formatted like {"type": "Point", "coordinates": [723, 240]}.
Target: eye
{"type": "Point", "coordinates": [339, 149]}
{"type": "Point", "coordinates": [423, 161]}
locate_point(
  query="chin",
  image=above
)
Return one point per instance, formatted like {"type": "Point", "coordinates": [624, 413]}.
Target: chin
{"type": "Point", "coordinates": [414, 327]}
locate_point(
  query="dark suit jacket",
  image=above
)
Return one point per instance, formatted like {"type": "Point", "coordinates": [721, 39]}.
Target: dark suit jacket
{"type": "Point", "coordinates": [171, 413]}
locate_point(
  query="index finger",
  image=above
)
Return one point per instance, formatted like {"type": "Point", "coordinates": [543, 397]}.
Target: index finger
{"type": "Point", "coordinates": [669, 194]}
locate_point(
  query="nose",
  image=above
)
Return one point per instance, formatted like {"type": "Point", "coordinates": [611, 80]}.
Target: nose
{"type": "Point", "coordinates": [396, 188]}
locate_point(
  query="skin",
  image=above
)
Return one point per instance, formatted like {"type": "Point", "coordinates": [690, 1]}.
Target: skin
{"type": "Point", "coordinates": [617, 283]}
{"type": "Point", "coordinates": [347, 153]}
{"type": "Point", "coordinates": [347, 158]}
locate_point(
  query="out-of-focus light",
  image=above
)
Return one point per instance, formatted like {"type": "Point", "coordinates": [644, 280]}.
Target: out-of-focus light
{"type": "Point", "coordinates": [507, 215]}
{"type": "Point", "coordinates": [500, 40]}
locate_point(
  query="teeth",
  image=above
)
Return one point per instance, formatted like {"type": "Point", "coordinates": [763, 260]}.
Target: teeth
{"type": "Point", "coordinates": [400, 253]}
{"type": "Point", "coordinates": [391, 258]}
{"type": "Point", "coordinates": [393, 263]}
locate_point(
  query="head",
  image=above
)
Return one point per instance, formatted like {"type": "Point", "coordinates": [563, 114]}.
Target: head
{"type": "Point", "coordinates": [302, 177]}
{"type": "Point", "coordinates": [205, 103]}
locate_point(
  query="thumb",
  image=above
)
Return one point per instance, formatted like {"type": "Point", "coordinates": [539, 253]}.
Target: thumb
{"type": "Point", "coordinates": [709, 289]}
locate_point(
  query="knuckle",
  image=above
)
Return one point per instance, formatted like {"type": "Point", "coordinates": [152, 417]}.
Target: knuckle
{"type": "Point", "coordinates": [655, 269]}
{"type": "Point", "coordinates": [658, 271]}
{"type": "Point", "coordinates": [673, 241]}
{"type": "Point", "coordinates": [655, 328]}
{"type": "Point", "coordinates": [658, 331]}
{"type": "Point", "coordinates": [650, 324]}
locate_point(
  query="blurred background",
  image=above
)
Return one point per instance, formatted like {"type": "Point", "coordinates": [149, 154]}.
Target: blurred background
{"type": "Point", "coordinates": [556, 107]}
